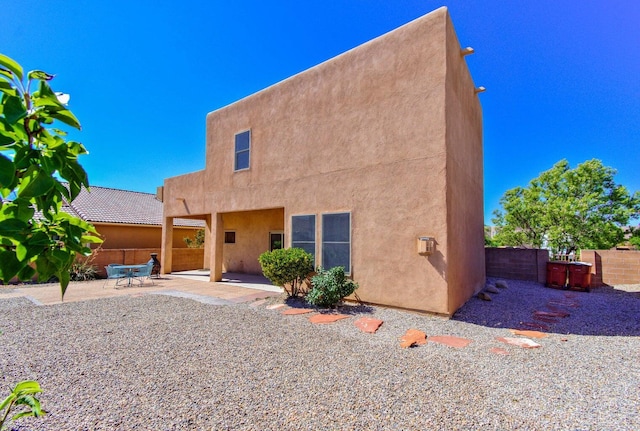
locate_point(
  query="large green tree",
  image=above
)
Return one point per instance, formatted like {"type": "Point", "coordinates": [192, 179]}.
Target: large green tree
{"type": "Point", "coordinates": [35, 159]}
{"type": "Point", "coordinates": [567, 209]}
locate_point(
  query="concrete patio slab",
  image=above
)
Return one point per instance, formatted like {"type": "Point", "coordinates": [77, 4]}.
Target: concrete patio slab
{"type": "Point", "coordinates": [190, 286]}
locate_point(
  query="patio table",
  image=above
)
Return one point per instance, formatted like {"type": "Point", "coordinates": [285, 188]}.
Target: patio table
{"type": "Point", "coordinates": [132, 271]}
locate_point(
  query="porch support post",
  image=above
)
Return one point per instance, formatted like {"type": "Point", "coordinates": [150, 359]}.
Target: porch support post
{"type": "Point", "coordinates": [207, 242]}
{"type": "Point", "coordinates": [217, 241]}
{"type": "Point", "coordinates": [167, 245]}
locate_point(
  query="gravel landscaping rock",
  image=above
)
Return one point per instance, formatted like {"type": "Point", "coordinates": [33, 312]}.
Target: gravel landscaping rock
{"type": "Point", "coordinates": [157, 362]}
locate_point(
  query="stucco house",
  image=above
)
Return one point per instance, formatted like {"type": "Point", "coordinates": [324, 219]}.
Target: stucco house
{"type": "Point", "coordinates": [371, 160]}
{"type": "Point", "coordinates": [127, 219]}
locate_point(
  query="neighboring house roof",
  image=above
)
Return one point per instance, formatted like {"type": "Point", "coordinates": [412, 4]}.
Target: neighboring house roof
{"type": "Point", "coordinates": [107, 205]}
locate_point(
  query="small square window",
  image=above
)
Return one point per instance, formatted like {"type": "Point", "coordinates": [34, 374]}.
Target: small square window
{"type": "Point", "coordinates": [242, 150]}
{"type": "Point", "coordinates": [229, 237]}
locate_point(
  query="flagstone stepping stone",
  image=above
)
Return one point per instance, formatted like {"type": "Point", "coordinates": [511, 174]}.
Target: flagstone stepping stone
{"type": "Point", "coordinates": [413, 337]}
{"type": "Point", "coordinates": [368, 324]}
{"type": "Point", "coordinates": [275, 306]}
{"type": "Point", "coordinates": [498, 351]}
{"type": "Point", "coordinates": [561, 314]}
{"type": "Point", "coordinates": [258, 303]}
{"type": "Point", "coordinates": [525, 343]}
{"type": "Point", "coordinates": [449, 340]}
{"type": "Point", "coordinates": [327, 318]}
{"type": "Point", "coordinates": [530, 334]}
{"type": "Point", "coordinates": [294, 311]}
{"type": "Point", "coordinates": [545, 319]}
{"type": "Point", "coordinates": [534, 325]}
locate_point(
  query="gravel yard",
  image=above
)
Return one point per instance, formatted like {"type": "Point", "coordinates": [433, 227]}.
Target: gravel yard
{"type": "Point", "coordinates": [157, 362]}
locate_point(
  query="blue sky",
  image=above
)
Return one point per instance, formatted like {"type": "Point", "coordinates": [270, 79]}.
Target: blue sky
{"type": "Point", "coordinates": [562, 77]}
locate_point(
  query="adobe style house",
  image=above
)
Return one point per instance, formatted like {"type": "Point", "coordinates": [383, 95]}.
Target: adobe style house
{"type": "Point", "coordinates": [359, 160]}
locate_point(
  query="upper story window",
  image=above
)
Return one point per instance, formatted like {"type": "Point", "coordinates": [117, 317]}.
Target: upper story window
{"type": "Point", "coordinates": [243, 147]}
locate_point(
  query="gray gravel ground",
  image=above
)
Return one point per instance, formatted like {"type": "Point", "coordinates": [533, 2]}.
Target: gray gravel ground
{"type": "Point", "coordinates": [158, 362]}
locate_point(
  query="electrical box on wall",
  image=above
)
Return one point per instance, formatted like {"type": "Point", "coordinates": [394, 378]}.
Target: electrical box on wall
{"type": "Point", "coordinates": [426, 245]}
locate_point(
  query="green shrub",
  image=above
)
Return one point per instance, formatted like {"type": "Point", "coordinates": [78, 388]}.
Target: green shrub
{"type": "Point", "coordinates": [82, 270]}
{"type": "Point", "coordinates": [287, 267]}
{"type": "Point", "coordinates": [197, 241]}
{"type": "Point", "coordinates": [329, 287]}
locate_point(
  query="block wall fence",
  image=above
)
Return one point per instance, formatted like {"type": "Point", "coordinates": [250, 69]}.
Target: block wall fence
{"type": "Point", "coordinates": [608, 267]}
{"type": "Point", "coordinates": [613, 267]}
{"type": "Point", "coordinates": [184, 259]}
{"type": "Point", "coordinates": [517, 263]}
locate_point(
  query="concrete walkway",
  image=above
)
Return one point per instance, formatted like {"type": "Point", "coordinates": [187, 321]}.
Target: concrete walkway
{"type": "Point", "coordinates": [235, 288]}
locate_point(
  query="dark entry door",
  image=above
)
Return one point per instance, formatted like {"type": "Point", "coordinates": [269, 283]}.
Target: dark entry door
{"type": "Point", "coordinates": [276, 240]}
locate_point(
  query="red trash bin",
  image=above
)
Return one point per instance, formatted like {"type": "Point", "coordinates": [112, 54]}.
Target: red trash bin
{"type": "Point", "coordinates": [557, 274]}
{"type": "Point", "coordinates": [580, 276]}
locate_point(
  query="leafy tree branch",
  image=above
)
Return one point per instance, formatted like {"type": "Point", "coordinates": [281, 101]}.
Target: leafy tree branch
{"type": "Point", "coordinates": [36, 236]}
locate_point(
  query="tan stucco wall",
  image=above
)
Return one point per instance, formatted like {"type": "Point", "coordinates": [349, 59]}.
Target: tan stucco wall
{"type": "Point", "coordinates": [132, 236]}
{"type": "Point", "coordinates": [367, 133]}
{"type": "Point", "coordinates": [465, 202]}
{"type": "Point", "coordinates": [252, 238]}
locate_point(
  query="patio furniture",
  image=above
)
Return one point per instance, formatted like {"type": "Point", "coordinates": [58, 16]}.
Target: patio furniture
{"type": "Point", "coordinates": [129, 272]}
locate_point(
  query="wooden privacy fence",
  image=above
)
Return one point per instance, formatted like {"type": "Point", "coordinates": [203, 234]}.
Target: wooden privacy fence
{"type": "Point", "coordinates": [183, 259]}
{"type": "Point", "coordinates": [608, 267]}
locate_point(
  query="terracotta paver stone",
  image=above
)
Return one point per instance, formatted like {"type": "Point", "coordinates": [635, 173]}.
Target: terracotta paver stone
{"type": "Point", "coordinates": [527, 333]}
{"type": "Point", "coordinates": [499, 351]}
{"type": "Point", "coordinates": [413, 337]}
{"type": "Point", "coordinates": [556, 313]}
{"type": "Point", "coordinates": [275, 306]}
{"type": "Point", "coordinates": [327, 318]}
{"type": "Point", "coordinates": [545, 319]}
{"type": "Point", "coordinates": [368, 324]}
{"type": "Point", "coordinates": [294, 311]}
{"type": "Point", "coordinates": [449, 340]}
{"type": "Point", "coordinates": [525, 343]}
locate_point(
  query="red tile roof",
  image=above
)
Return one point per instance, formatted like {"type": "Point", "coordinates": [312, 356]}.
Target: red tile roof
{"type": "Point", "coordinates": [107, 205]}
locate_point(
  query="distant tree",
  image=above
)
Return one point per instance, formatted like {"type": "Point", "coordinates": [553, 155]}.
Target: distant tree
{"type": "Point", "coordinates": [567, 209]}
{"type": "Point", "coordinates": [197, 241]}
{"type": "Point", "coordinates": [635, 236]}
{"type": "Point", "coordinates": [489, 241]}
{"type": "Point", "coordinates": [34, 231]}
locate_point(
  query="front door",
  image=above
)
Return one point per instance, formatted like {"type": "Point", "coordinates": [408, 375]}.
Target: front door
{"type": "Point", "coordinates": [276, 240]}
